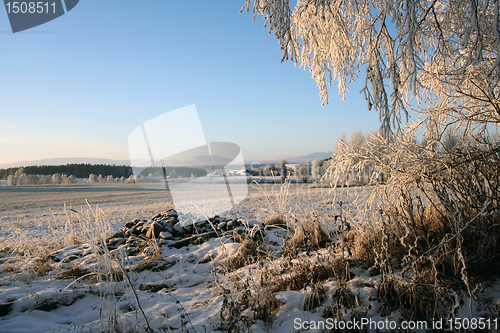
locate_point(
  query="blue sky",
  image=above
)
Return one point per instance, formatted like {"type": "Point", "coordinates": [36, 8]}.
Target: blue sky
{"type": "Point", "coordinates": [79, 85]}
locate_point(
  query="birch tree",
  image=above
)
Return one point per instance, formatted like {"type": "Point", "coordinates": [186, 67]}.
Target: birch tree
{"type": "Point", "coordinates": [438, 62]}
{"type": "Point", "coordinates": [357, 140]}
{"type": "Point", "coordinates": [438, 58]}
{"type": "Point", "coordinates": [316, 167]}
{"type": "Point", "coordinates": [57, 179]}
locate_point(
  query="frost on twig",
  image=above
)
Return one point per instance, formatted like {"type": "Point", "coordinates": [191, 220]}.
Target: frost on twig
{"type": "Point", "coordinates": [439, 57]}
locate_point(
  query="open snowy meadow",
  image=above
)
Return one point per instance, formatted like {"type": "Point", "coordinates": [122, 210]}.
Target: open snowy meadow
{"type": "Point", "coordinates": [289, 258]}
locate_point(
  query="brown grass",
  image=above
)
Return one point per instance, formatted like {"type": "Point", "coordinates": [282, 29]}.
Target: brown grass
{"type": "Point", "coordinates": [309, 236]}
{"type": "Point", "coordinates": [247, 254]}
{"type": "Point", "coordinates": [72, 273]}
{"type": "Point", "coordinates": [41, 266]}
{"type": "Point", "coordinates": [262, 302]}
{"type": "Point", "coordinates": [341, 270]}
{"type": "Point", "coordinates": [115, 275]}
{"type": "Point", "coordinates": [230, 316]}
{"type": "Point", "coordinates": [362, 242]}
{"type": "Point", "coordinates": [345, 298]}
{"type": "Point", "coordinates": [296, 275]}
{"type": "Point", "coordinates": [436, 220]}
{"type": "Point", "coordinates": [387, 295]}
{"type": "Point", "coordinates": [420, 301]}
{"type": "Point", "coordinates": [276, 219]}
{"type": "Point", "coordinates": [314, 298]}
{"type": "Point", "coordinates": [9, 269]}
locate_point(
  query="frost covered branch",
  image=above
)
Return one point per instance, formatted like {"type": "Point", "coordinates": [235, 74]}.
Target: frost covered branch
{"type": "Point", "coordinates": [442, 55]}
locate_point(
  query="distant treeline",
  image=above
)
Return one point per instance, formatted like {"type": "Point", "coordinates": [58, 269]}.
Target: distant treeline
{"type": "Point", "coordinates": [84, 170]}
{"type": "Point", "coordinates": [174, 172]}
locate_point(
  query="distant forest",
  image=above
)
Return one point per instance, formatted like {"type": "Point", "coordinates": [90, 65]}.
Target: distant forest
{"type": "Point", "coordinates": [84, 170]}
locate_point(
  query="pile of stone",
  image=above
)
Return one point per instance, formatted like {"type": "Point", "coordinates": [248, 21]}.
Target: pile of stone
{"type": "Point", "coordinates": [167, 228]}
{"type": "Point", "coordinates": [169, 231]}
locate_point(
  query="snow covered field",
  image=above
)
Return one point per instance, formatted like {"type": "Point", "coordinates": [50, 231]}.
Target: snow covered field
{"type": "Point", "coordinates": [61, 272]}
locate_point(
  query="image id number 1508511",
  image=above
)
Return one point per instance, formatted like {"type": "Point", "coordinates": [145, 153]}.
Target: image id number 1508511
{"type": "Point", "coordinates": [473, 323]}
{"type": "Point", "coordinates": [30, 7]}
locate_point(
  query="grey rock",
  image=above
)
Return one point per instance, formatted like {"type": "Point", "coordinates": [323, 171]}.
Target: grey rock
{"type": "Point", "coordinates": [188, 229]}
{"type": "Point", "coordinates": [166, 235]}
{"type": "Point", "coordinates": [118, 234]}
{"type": "Point", "coordinates": [253, 223]}
{"type": "Point", "coordinates": [231, 225]}
{"type": "Point", "coordinates": [155, 287]}
{"type": "Point", "coordinates": [178, 230]}
{"type": "Point", "coordinates": [157, 217]}
{"type": "Point", "coordinates": [132, 251]}
{"type": "Point", "coordinates": [136, 231]}
{"type": "Point", "coordinates": [154, 230]}
{"type": "Point", "coordinates": [116, 241]}
{"type": "Point", "coordinates": [69, 258]}
{"type": "Point", "coordinates": [172, 213]}
{"type": "Point", "coordinates": [75, 250]}
{"type": "Point", "coordinates": [170, 222]}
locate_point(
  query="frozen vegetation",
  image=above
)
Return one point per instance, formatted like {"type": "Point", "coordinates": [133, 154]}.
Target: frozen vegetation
{"type": "Point", "coordinates": [416, 248]}
{"type": "Point", "coordinates": [288, 256]}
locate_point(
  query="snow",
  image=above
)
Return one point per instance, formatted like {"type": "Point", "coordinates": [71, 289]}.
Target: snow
{"type": "Point", "coordinates": [190, 285]}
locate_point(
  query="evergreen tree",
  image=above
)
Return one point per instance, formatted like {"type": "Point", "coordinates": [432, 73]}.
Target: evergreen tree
{"type": "Point", "coordinates": [283, 171]}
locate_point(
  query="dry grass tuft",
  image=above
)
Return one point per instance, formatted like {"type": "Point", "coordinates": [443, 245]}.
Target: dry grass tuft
{"type": "Point", "coordinates": [309, 236]}
{"type": "Point", "coordinates": [345, 298]}
{"type": "Point", "coordinates": [262, 303]}
{"type": "Point", "coordinates": [247, 254]}
{"type": "Point", "coordinates": [314, 297]}
{"type": "Point", "coordinates": [345, 304]}
{"type": "Point", "coordinates": [151, 250]}
{"type": "Point", "coordinates": [41, 266]}
{"type": "Point", "coordinates": [10, 269]}
{"type": "Point", "coordinates": [387, 294]}
{"type": "Point", "coordinates": [277, 220]}
{"type": "Point", "coordinates": [256, 301]}
{"type": "Point", "coordinates": [72, 273]}
{"type": "Point", "coordinates": [297, 276]}
{"type": "Point", "coordinates": [231, 317]}
{"type": "Point", "coordinates": [114, 275]}
{"type": "Point", "coordinates": [436, 220]}
{"type": "Point", "coordinates": [420, 301]}
{"type": "Point", "coordinates": [362, 242]}
{"type": "Point", "coordinates": [298, 238]}
{"type": "Point", "coordinates": [341, 270]}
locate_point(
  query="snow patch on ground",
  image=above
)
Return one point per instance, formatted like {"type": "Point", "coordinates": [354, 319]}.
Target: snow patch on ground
{"type": "Point", "coordinates": [185, 289]}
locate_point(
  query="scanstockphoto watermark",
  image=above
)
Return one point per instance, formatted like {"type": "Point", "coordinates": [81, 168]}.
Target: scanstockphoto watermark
{"type": "Point", "coordinates": [171, 152]}
{"type": "Point", "coordinates": [25, 15]}
{"type": "Point", "coordinates": [359, 324]}
{"type": "Point", "coordinates": [369, 324]}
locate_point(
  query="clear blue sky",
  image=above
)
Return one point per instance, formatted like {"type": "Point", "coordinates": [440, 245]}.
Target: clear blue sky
{"type": "Point", "coordinates": [79, 85]}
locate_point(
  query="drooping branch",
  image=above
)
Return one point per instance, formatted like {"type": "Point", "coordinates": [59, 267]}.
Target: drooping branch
{"type": "Point", "coordinates": [412, 52]}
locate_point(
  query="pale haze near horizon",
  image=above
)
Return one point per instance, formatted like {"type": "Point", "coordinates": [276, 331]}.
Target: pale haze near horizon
{"type": "Point", "coordinates": [79, 85]}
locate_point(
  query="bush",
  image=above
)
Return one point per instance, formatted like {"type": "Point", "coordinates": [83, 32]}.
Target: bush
{"type": "Point", "coordinates": [437, 211]}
